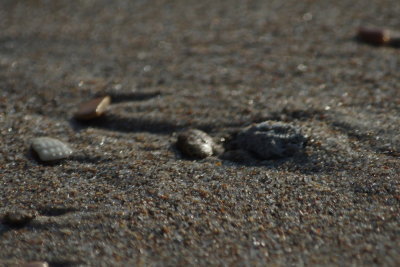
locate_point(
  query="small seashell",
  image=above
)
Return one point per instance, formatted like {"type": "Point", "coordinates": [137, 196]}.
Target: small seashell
{"type": "Point", "coordinates": [49, 149]}
{"type": "Point", "coordinates": [93, 108]}
{"type": "Point", "coordinates": [196, 144]}
{"type": "Point", "coordinates": [374, 36]}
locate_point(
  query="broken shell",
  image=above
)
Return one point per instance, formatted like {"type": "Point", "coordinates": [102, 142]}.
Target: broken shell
{"type": "Point", "coordinates": [374, 36]}
{"type": "Point", "coordinates": [93, 108]}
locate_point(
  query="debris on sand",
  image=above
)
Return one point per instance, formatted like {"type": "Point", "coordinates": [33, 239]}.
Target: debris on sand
{"type": "Point", "coordinates": [50, 149]}
{"type": "Point", "coordinates": [93, 108]}
{"type": "Point", "coordinates": [271, 139]}
{"type": "Point", "coordinates": [196, 144]}
{"type": "Point", "coordinates": [378, 36]}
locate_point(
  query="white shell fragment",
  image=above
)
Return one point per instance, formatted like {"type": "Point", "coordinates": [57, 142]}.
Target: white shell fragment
{"type": "Point", "coordinates": [49, 149]}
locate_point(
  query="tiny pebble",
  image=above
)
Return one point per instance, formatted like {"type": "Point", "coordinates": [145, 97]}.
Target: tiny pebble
{"type": "Point", "coordinates": [271, 139]}
{"type": "Point", "coordinates": [49, 149]}
{"type": "Point", "coordinates": [93, 108]}
{"type": "Point", "coordinates": [196, 144]}
{"type": "Point", "coordinates": [18, 218]}
{"type": "Point", "coordinates": [35, 264]}
{"type": "Point", "coordinates": [374, 36]}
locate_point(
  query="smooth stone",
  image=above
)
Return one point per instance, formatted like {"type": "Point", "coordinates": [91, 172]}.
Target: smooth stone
{"type": "Point", "coordinates": [195, 144]}
{"type": "Point", "coordinates": [49, 149]}
{"type": "Point", "coordinates": [93, 108]}
{"type": "Point", "coordinates": [18, 218]}
{"type": "Point", "coordinates": [271, 139]}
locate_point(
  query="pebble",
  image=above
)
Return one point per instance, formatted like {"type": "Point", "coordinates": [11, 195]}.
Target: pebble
{"type": "Point", "coordinates": [374, 36]}
{"type": "Point", "coordinates": [35, 264]}
{"type": "Point", "coordinates": [18, 218]}
{"type": "Point", "coordinates": [93, 108]}
{"type": "Point", "coordinates": [49, 149]}
{"type": "Point", "coordinates": [271, 139]}
{"type": "Point", "coordinates": [196, 144]}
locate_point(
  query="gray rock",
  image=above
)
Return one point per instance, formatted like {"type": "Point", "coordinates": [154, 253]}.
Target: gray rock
{"type": "Point", "coordinates": [271, 139]}
{"type": "Point", "coordinates": [196, 144]}
{"type": "Point", "coordinates": [49, 149]}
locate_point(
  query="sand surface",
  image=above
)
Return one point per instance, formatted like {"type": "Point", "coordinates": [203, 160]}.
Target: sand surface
{"type": "Point", "coordinates": [127, 197]}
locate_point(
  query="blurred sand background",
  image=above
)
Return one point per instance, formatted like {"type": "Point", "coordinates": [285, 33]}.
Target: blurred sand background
{"type": "Point", "coordinates": [128, 198]}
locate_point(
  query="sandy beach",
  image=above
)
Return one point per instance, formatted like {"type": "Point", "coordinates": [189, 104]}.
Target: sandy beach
{"type": "Point", "coordinates": [127, 196]}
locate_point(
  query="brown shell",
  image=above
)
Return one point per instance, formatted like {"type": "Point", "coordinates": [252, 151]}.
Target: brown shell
{"type": "Point", "coordinates": [93, 108]}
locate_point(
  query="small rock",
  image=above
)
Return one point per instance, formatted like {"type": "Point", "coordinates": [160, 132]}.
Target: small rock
{"type": "Point", "coordinates": [196, 144]}
{"type": "Point", "coordinates": [19, 218]}
{"type": "Point", "coordinates": [49, 149]}
{"type": "Point", "coordinates": [374, 36]}
{"type": "Point", "coordinates": [93, 108]}
{"type": "Point", "coordinates": [35, 264]}
{"type": "Point", "coordinates": [271, 139]}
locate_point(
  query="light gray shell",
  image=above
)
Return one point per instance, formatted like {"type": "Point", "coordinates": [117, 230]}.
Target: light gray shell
{"type": "Point", "coordinates": [49, 149]}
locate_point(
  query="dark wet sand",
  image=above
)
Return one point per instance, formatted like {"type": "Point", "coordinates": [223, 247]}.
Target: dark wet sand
{"type": "Point", "coordinates": [128, 197]}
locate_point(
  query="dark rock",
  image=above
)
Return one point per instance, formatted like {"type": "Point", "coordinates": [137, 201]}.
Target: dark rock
{"type": "Point", "coordinates": [271, 139]}
{"type": "Point", "coordinates": [196, 144]}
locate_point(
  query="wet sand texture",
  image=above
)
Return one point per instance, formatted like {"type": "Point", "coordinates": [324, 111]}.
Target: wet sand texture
{"type": "Point", "coordinates": [128, 197]}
